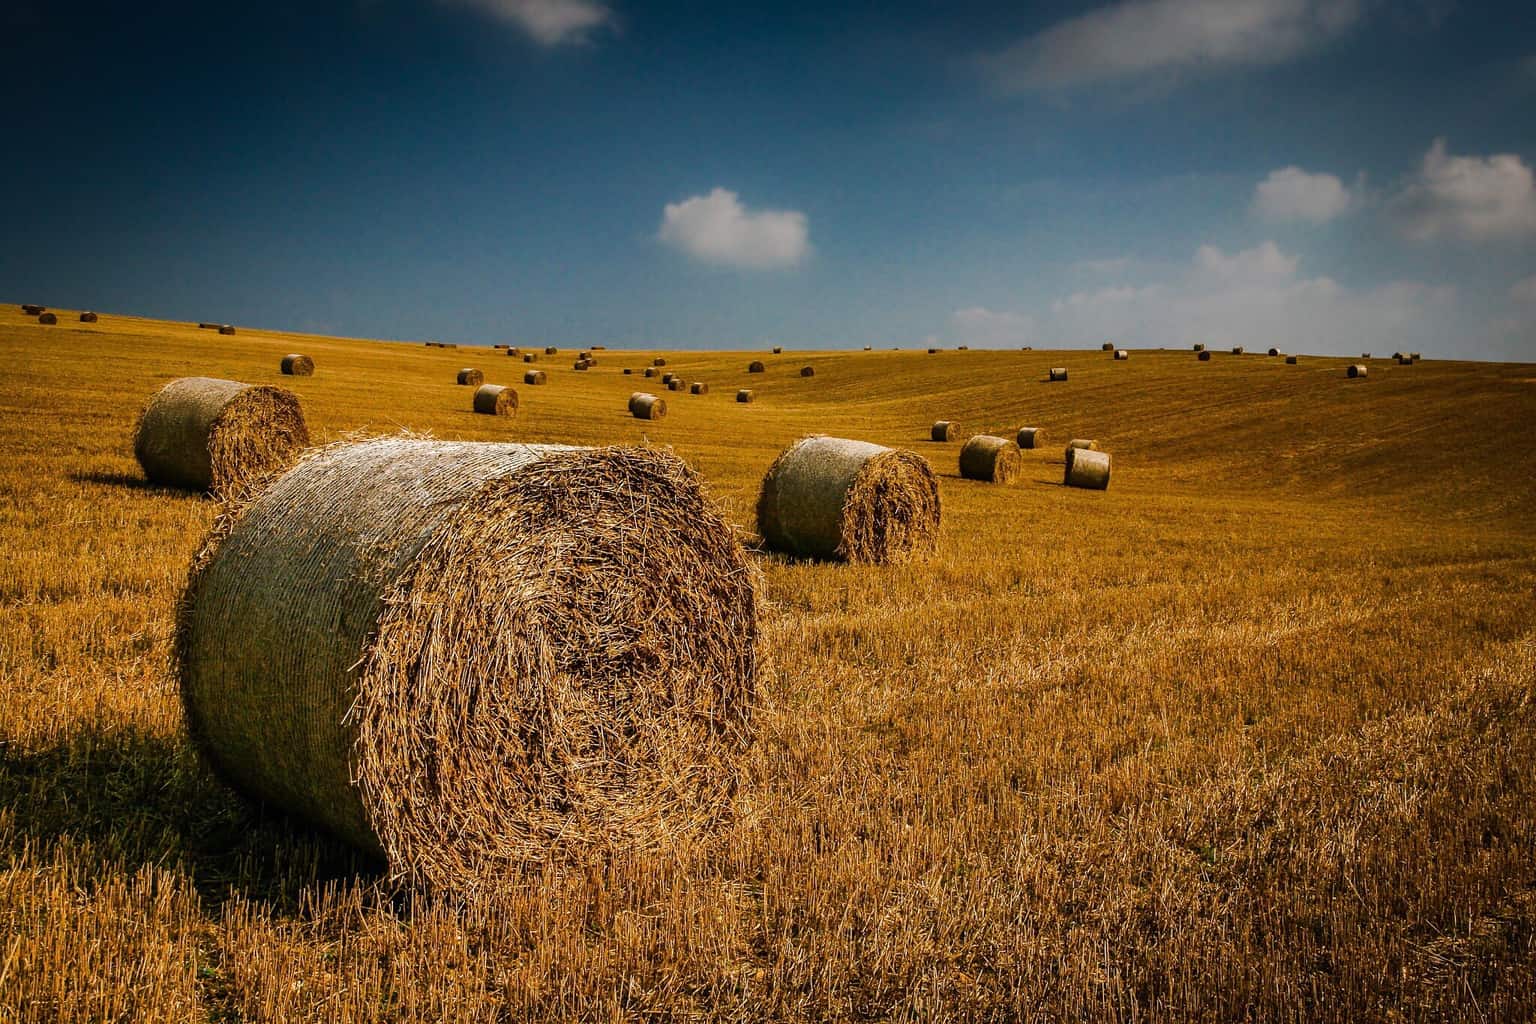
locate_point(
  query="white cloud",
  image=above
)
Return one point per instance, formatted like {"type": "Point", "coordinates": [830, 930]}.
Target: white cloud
{"type": "Point", "coordinates": [1261, 264]}
{"type": "Point", "coordinates": [549, 22]}
{"type": "Point", "coordinates": [982, 326]}
{"type": "Point", "coordinates": [1524, 291]}
{"type": "Point", "coordinates": [1470, 198]}
{"type": "Point", "coordinates": [1138, 37]}
{"type": "Point", "coordinates": [1294, 194]}
{"type": "Point", "coordinates": [717, 229]}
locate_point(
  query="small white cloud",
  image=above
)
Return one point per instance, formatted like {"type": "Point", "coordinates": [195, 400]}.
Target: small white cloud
{"type": "Point", "coordinates": [1260, 264]}
{"type": "Point", "coordinates": [1524, 291]}
{"type": "Point", "coordinates": [1138, 37]}
{"type": "Point", "coordinates": [1294, 194]}
{"type": "Point", "coordinates": [549, 22]}
{"type": "Point", "coordinates": [717, 229]}
{"type": "Point", "coordinates": [1470, 198]}
{"type": "Point", "coordinates": [992, 327]}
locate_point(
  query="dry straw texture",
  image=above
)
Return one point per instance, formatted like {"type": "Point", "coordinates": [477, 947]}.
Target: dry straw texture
{"type": "Point", "coordinates": [646, 406]}
{"type": "Point", "coordinates": [1082, 443]}
{"type": "Point", "coordinates": [755, 366]}
{"type": "Point", "coordinates": [1356, 370]}
{"type": "Point", "coordinates": [467, 659]}
{"type": "Point", "coordinates": [829, 497]}
{"type": "Point", "coordinates": [471, 377]}
{"type": "Point", "coordinates": [993, 459]}
{"type": "Point", "coordinates": [1030, 437]}
{"type": "Point", "coordinates": [534, 377]}
{"type": "Point", "coordinates": [298, 365]}
{"type": "Point", "coordinates": [1058, 373]}
{"type": "Point", "coordinates": [944, 430]}
{"type": "Point", "coordinates": [698, 387]}
{"type": "Point", "coordinates": [205, 434]}
{"type": "Point", "coordinates": [495, 400]}
{"type": "Point", "coordinates": [745, 395]}
{"type": "Point", "coordinates": [1087, 468]}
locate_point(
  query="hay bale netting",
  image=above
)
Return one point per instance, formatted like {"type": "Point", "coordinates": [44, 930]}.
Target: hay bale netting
{"type": "Point", "coordinates": [807, 371]}
{"type": "Point", "coordinates": [829, 497]}
{"type": "Point", "coordinates": [1290, 360]}
{"type": "Point", "coordinates": [469, 659]}
{"type": "Point", "coordinates": [745, 395]}
{"type": "Point", "coordinates": [47, 318]}
{"type": "Point", "coordinates": [88, 317]}
{"type": "Point", "coordinates": [1030, 437]}
{"type": "Point", "coordinates": [298, 365]}
{"type": "Point", "coordinates": [1121, 353]}
{"type": "Point", "coordinates": [1087, 468]}
{"type": "Point", "coordinates": [206, 434]}
{"type": "Point", "coordinates": [534, 378]}
{"type": "Point", "coordinates": [226, 329]}
{"type": "Point", "coordinates": [1058, 373]}
{"type": "Point", "coordinates": [495, 400]}
{"type": "Point", "coordinates": [471, 377]}
{"type": "Point", "coordinates": [944, 430]}
{"type": "Point", "coordinates": [993, 459]}
{"type": "Point", "coordinates": [1204, 356]}
{"type": "Point", "coordinates": [645, 406]}
{"type": "Point", "coordinates": [756, 367]}
{"type": "Point", "coordinates": [698, 387]}
{"type": "Point", "coordinates": [1355, 370]}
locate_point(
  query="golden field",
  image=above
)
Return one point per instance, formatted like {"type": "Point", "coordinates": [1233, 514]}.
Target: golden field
{"type": "Point", "coordinates": [1249, 736]}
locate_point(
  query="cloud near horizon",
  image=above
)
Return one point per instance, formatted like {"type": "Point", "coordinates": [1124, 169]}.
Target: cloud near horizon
{"type": "Point", "coordinates": [548, 22]}
{"type": "Point", "coordinates": [717, 229]}
{"type": "Point", "coordinates": [1466, 198]}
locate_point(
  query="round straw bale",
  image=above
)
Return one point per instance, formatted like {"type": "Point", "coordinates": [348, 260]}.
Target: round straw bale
{"type": "Point", "coordinates": [206, 434]}
{"type": "Point", "coordinates": [807, 371]}
{"type": "Point", "coordinates": [495, 400]}
{"type": "Point", "coordinates": [1082, 443]}
{"type": "Point", "coordinates": [962, 348]}
{"type": "Point", "coordinates": [745, 395]}
{"type": "Point", "coordinates": [1414, 356]}
{"type": "Point", "coordinates": [583, 355]}
{"type": "Point", "coordinates": [1402, 360]}
{"type": "Point", "coordinates": [658, 361]}
{"type": "Point", "coordinates": [1058, 373]}
{"type": "Point", "coordinates": [828, 497]}
{"type": "Point", "coordinates": [677, 384]}
{"type": "Point", "coordinates": [1087, 468]}
{"type": "Point", "coordinates": [644, 406]}
{"type": "Point", "coordinates": [1290, 360]}
{"type": "Point", "coordinates": [868, 347]}
{"type": "Point", "coordinates": [87, 317]}
{"type": "Point", "coordinates": [1204, 356]}
{"type": "Point", "coordinates": [534, 377]}
{"type": "Point", "coordinates": [498, 346]}
{"type": "Point", "coordinates": [298, 365]}
{"type": "Point", "coordinates": [1397, 355]}
{"type": "Point", "coordinates": [227, 329]}
{"type": "Point", "coordinates": [530, 357]}
{"type": "Point", "coordinates": [1365, 355]}
{"type": "Point", "coordinates": [580, 364]}
{"type": "Point", "coordinates": [471, 377]}
{"type": "Point", "coordinates": [514, 351]}
{"type": "Point", "coordinates": [993, 459]}
{"type": "Point", "coordinates": [755, 367]}
{"type": "Point", "coordinates": [31, 309]}
{"type": "Point", "coordinates": [944, 430]}
{"type": "Point", "coordinates": [1108, 346]}
{"type": "Point", "coordinates": [1274, 351]}
{"type": "Point", "coordinates": [628, 370]}
{"type": "Point", "coordinates": [1237, 350]}
{"type": "Point", "coordinates": [1199, 347]}
{"type": "Point", "coordinates": [551, 350]}
{"type": "Point", "coordinates": [698, 387]}
{"type": "Point", "coordinates": [471, 659]}
{"type": "Point", "coordinates": [1030, 437]}
{"type": "Point", "coordinates": [47, 318]}
{"type": "Point", "coordinates": [1121, 353]}
{"type": "Point", "coordinates": [668, 377]}
{"type": "Point", "coordinates": [651, 371]}
{"type": "Point", "coordinates": [933, 351]}
{"type": "Point", "coordinates": [778, 349]}
{"type": "Point", "coordinates": [213, 327]}
{"type": "Point", "coordinates": [1356, 370]}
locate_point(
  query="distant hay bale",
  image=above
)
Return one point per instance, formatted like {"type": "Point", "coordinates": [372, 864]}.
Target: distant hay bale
{"type": "Point", "coordinates": [1082, 444]}
{"type": "Point", "coordinates": [1121, 353]}
{"type": "Point", "coordinates": [932, 351]}
{"type": "Point", "coordinates": [473, 659]}
{"type": "Point", "coordinates": [31, 309]}
{"type": "Point", "coordinates": [533, 378]}
{"type": "Point", "coordinates": [296, 364]}
{"type": "Point", "coordinates": [658, 361]}
{"type": "Point", "coordinates": [1058, 373]}
{"type": "Point", "coordinates": [828, 497]}
{"type": "Point", "coordinates": [584, 355]}
{"type": "Point", "coordinates": [668, 377]}
{"type": "Point", "coordinates": [87, 317]}
{"type": "Point", "coordinates": [471, 377]}
{"type": "Point", "coordinates": [1274, 351]}
{"type": "Point", "coordinates": [1087, 468]}
{"type": "Point", "coordinates": [227, 329]}
{"type": "Point", "coordinates": [1204, 356]}
{"type": "Point", "coordinates": [1108, 346]}
{"type": "Point", "coordinates": [1397, 356]}
{"type": "Point", "coordinates": [677, 384]}
{"type": "Point", "coordinates": [1290, 360]}
{"type": "Point", "coordinates": [1199, 347]}
{"type": "Point", "coordinates": [1237, 350]}
{"type": "Point", "coordinates": [581, 364]}
{"type": "Point", "coordinates": [698, 387]}
{"type": "Point", "coordinates": [944, 430]}
{"type": "Point", "coordinates": [214, 327]}
{"type": "Point", "coordinates": [962, 348]}
{"type": "Point", "coordinates": [755, 367]}
{"type": "Point", "coordinates": [1356, 370]}
{"type": "Point", "coordinates": [551, 350]}
{"type": "Point", "coordinates": [1401, 360]}
{"type": "Point", "coordinates": [1365, 355]}
{"type": "Point", "coordinates": [807, 371]}
{"type": "Point", "coordinates": [778, 349]}
{"type": "Point", "coordinates": [498, 346]}
{"type": "Point", "coordinates": [868, 347]}
{"type": "Point", "coordinates": [651, 371]}
{"type": "Point", "coordinates": [745, 395]}
{"type": "Point", "coordinates": [599, 348]}
{"type": "Point", "coordinates": [627, 371]}
{"type": "Point", "coordinates": [530, 357]}
{"type": "Point", "coordinates": [1030, 437]}
{"type": "Point", "coordinates": [495, 400]}
{"type": "Point", "coordinates": [514, 351]}
{"type": "Point", "coordinates": [644, 406]}
{"type": "Point", "coordinates": [205, 434]}
{"type": "Point", "coordinates": [992, 459]}
{"type": "Point", "coordinates": [47, 318]}
{"type": "Point", "coordinates": [1414, 356]}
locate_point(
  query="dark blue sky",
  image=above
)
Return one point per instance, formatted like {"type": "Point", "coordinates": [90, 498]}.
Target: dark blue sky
{"type": "Point", "coordinates": [1160, 171]}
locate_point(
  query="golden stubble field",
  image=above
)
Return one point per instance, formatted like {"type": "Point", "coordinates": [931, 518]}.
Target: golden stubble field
{"type": "Point", "coordinates": [1251, 735]}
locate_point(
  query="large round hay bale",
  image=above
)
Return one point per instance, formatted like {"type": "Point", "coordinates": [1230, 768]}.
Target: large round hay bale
{"type": "Point", "coordinates": [1121, 353]}
{"type": "Point", "coordinates": [514, 351]}
{"type": "Point", "coordinates": [1204, 356]}
{"type": "Point", "coordinates": [651, 371]}
{"type": "Point", "coordinates": [530, 357]}
{"type": "Point", "coordinates": [1290, 360]}
{"type": "Point", "coordinates": [581, 364]}
{"type": "Point", "coordinates": [778, 349]}
{"type": "Point", "coordinates": [1397, 356]}
{"type": "Point", "coordinates": [470, 377]}
{"type": "Point", "coordinates": [1082, 443]}
{"type": "Point", "coordinates": [1058, 373]}
{"type": "Point", "coordinates": [993, 459]}
{"type": "Point", "coordinates": [1237, 350]}
{"type": "Point", "coordinates": [1108, 346]}
{"type": "Point", "coordinates": [1274, 351]}
{"type": "Point", "coordinates": [755, 367]}
{"type": "Point", "coordinates": [1030, 437]}
{"type": "Point", "coordinates": [746, 395]}
{"type": "Point", "coordinates": [88, 317]}
{"type": "Point", "coordinates": [644, 406]}
{"type": "Point", "coordinates": [829, 497]}
{"type": "Point", "coordinates": [1087, 468]}
{"type": "Point", "coordinates": [47, 318]}
{"type": "Point", "coordinates": [677, 384]}
{"type": "Point", "coordinates": [206, 434]}
{"type": "Point", "coordinates": [698, 387]}
{"type": "Point", "coordinates": [495, 400]}
{"type": "Point", "coordinates": [1356, 370]}
{"type": "Point", "coordinates": [658, 361]}
{"type": "Point", "coordinates": [296, 364]}
{"type": "Point", "coordinates": [807, 371]}
{"type": "Point", "coordinates": [933, 351]}
{"type": "Point", "coordinates": [1199, 347]}
{"type": "Point", "coordinates": [226, 329]}
{"type": "Point", "coordinates": [469, 659]}
{"type": "Point", "coordinates": [668, 377]}
{"type": "Point", "coordinates": [534, 377]}
{"type": "Point", "coordinates": [944, 430]}
{"type": "Point", "coordinates": [1365, 355]}
{"type": "Point", "coordinates": [551, 350]}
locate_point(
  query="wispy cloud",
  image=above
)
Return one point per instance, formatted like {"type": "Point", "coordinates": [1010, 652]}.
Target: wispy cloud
{"type": "Point", "coordinates": [548, 22]}
{"type": "Point", "coordinates": [1292, 194]}
{"type": "Point", "coordinates": [716, 228]}
{"type": "Point", "coordinates": [1466, 198]}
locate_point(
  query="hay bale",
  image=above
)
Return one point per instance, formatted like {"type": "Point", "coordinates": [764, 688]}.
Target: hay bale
{"type": "Point", "coordinates": [944, 430]}
{"type": "Point", "coordinates": [658, 361]}
{"type": "Point", "coordinates": [514, 351]}
{"type": "Point", "coordinates": [499, 346]}
{"type": "Point", "coordinates": [1365, 355]}
{"type": "Point", "coordinates": [580, 364]}
{"type": "Point", "coordinates": [1414, 356]}
{"type": "Point", "coordinates": [227, 329]}
{"type": "Point", "coordinates": [1058, 373]}
{"type": "Point", "coordinates": [47, 318]}
{"type": "Point", "coordinates": [30, 309]}
{"type": "Point", "coordinates": [1030, 437]}
{"type": "Point", "coordinates": [1082, 444]}
{"type": "Point", "coordinates": [1290, 360]}
{"type": "Point", "coordinates": [993, 459]}
{"type": "Point", "coordinates": [1401, 360]}
{"type": "Point", "coordinates": [533, 378]}
{"type": "Point", "coordinates": [530, 357]}
{"type": "Point", "coordinates": [651, 371]}
{"type": "Point", "coordinates": [627, 371]}
{"type": "Point", "coordinates": [778, 349]}
{"type": "Point", "coordinates": [807, 371]}
{"type": "Point", "coordinates": [668, 377]}
{"type": "Point", "coordinates": [755, 367]}
{"type": "Point", "coordinates": [205, 434]}
{"type": "Point", "coordinates": [828, 497]}
{"type": "Point", "coordinates": [745, 395]}
{"type": "Point", "coordinates": [677, 384]}
{"type": "Point", "coordinates": [87, 317]}
{"type": "Point", "coordinates": [1397, 356]}
{"type": "Point", "coordinates": [584, 355]}
{"type": "Point", "coordinates": [1355, 370]}
{"type": "Point", "coordinates": [1274, 351]}
{"type": "Point", "coordinates": [470, 659]}
{"type": "Point", "coordinates": [1237, 350]}
{"type": "Point", "coordinates": [1199, 347]}
{"type": "Point", "coordinates": [1204, 356]}
{"type": "Point", "coordinates": [495, 400]}
{"type": "Point", "coordinates": [932, 351]}
{"type": "Point", "coordinates": [1108, 346]}
{"type": "Point", "coordinates": [551, 350]}
{"type": "Point", "coordinates": [869, 347]}
{"type": "Point", "coordinates": [471, 377]}
{"type": "Point", "coordinates": [644, 406]}
{"type": "Point", "coordinates": [1121, 353]}
{"type": "Point", "coordinates": [698, 387]}
{"type": "Point", "coordinates": [214, 327]}
{"type": "Point", "coordinates": [962, 348]}
{"type": "Point", "coordinates": [1087, 468]}
{"type": "Point", "coordinates": [296, 364]}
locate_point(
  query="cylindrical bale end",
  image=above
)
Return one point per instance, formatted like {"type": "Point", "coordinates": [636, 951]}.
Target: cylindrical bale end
{"type": "Point", "coordinates": [1058, 373]}
{"type": "Point", "coordinates": [1087, 468]}
{"type": "Point", "coordinates": [495, 400]}
{"type": "Point", "coordinates": [87, 317]}
{"type": "Point", "coordinates": [1083, 444]}
{"type": "Point", "coordinates": [1356, 370]}
{"type": "Point", "coordinates": [1204, 356]}
{"type": "Point", "coordinates": [296, 364]}
{"type": "Point", "coordinates": [807, 371]}
{"type": "Point", "coordinates": [1290, 360]}
{"type": "Point", "coordinates": [745, 395]}
{"type": "Point", "coordinates": [755, 367]}
{"type": "Point", "coordinates": [534, 377]}
{"type": "Point", "coordinates": [995, 460]}
{"type": "Point", "coordinates": [226, 329]}
{"type": "Point", "coordinates": [643, 406]}
{"type": "Point", "coordinates": [471, 377]}
{"type": "Point", "coordinates": [698, 387]}
{"type": "Point", "coordinates": [1121, 353]}
{"type": "Point", "coordinates": [1030, 437]}
{"type": "Point", "coordinates": [205, 434]}
{"type": "Point", "coordinates": [944, 430]}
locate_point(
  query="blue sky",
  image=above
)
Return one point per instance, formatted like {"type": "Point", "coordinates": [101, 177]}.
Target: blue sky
{"type": "Point", "coordinates": [1321, 176]}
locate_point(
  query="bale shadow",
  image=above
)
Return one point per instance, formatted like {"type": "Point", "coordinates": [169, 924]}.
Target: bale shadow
{"type": "Point", "coordinates": [130, 482]}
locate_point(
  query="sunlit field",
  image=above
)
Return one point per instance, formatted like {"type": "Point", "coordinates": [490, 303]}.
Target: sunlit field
{"type": "Point", "coordinates": [1249, 735]}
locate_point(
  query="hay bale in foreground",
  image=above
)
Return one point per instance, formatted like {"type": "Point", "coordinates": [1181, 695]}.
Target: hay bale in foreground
{"type": "Point", "coordinates": [1290, 360]}
{"type": "Point", "coordinates": [807, 371]}
{"type": "Point", "coordinates": [470, 377]}
{"type": "Point", "coordinates": [944, 430]}
{"type": "Point", "coordinates": [1082, 444]}
{"type": "Point", "coordinates": [1030, 437]}
{"type": "Point", "coordinates": [829, 497]}
{"type": "Point", "coordinates": [1058, 373]}
{"type": "Point", "coordinates": [1204, 356]}
{"type": "Point", "coordinates": [993, 459]}
{"type": "Point", "coordinates": [296, 364]}
{"type": "Point", "coordinates": [472, 659]}
{"type": "Point", "coordinates": [755, 367]}
{"type": "Point", "coordinates": [88, 317]}
{"type": "Point", "coordinates": [495, 400]}
{"type": "Point", "coordinates": [746, 395]}
{"type": "Point", "coordinates": [1087, 468]}
{"type": "Point", "coordinates": [533, 378]}
{"type": "Point", "coordinates": [1356, 370]}
{"type": "Point", "coordinates": [644, 406]}
{"type": "Point", "coordinates": [1121, 353]}
{"type": "Point", "coordinates": [47, 318]}
{"type": "Point", "coordinates": [206, 434]}
{"type": "Point", "coordinates": [698, 387]}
